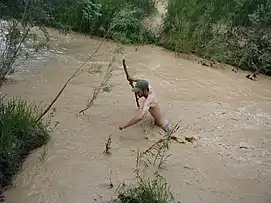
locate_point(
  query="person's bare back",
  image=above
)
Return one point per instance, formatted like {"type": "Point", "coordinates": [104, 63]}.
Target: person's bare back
{"type": "Point", "coordinates": [150, 104]}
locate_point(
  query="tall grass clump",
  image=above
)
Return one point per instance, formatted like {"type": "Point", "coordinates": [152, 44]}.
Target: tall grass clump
{"type": "Point", "coordinates": [20, 134]}
{"type": "Point", "coordinates": [154, 190]}
{"type": "Point", "coordinates": [237, 32]}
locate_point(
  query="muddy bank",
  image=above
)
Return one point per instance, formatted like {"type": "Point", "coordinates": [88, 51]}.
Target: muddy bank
{"type": "Point", "coordinates": [229, 115]}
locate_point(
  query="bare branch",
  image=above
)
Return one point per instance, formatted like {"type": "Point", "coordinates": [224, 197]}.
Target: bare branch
{"type": "Point", "coordinates": [76, 72]}
{"type": "Point", "coordinates": [101, 88]}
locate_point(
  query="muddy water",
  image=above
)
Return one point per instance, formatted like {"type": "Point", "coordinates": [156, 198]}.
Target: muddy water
{"type": "Point", "coordinates": [229, 115]}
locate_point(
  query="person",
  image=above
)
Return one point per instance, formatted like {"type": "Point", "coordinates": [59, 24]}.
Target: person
{"type": "Point", "coordinates": [144, 90]}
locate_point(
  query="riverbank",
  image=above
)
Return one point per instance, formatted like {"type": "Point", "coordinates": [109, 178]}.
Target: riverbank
{"type": "Point", "coordinates": [220, 33]}
{"type": "Point", "coordinates": [20, 135]}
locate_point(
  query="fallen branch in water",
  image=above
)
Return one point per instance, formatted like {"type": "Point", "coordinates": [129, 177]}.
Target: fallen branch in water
{"type": "Point", "coordinates": [103, 86]}
{"type": "Point", "coordinates": [130, 81]}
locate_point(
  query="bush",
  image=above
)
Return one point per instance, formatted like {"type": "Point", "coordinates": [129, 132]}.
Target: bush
{"type": "Point", "coordinates": [18, 39]}
{"type": "Point", "coordinates": [237, 33]}
{"type": "Point", "coordinates": [95, 17]}
{"type": "Point", "coordinates": [88, 16]}
{"type": "Point", "coordinates": [20, 134]}
{"type": "Point", "coordinates": [128, 28]}
{"type": "Point", "coordinates": [146, 191]}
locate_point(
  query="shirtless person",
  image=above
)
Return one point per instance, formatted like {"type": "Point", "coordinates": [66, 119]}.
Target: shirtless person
{"type": "Point", "coordinates": [143, 89]}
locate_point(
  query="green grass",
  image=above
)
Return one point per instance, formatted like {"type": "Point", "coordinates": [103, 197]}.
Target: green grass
{"type": "Point", "coordinates": [20, 134]}
{"type": "Point", "coordinates": [146, 191]}
{"type": "Point", "coordinates": [237, 33]}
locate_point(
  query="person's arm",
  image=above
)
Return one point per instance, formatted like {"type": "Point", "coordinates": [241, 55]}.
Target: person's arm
{"type": "Point", "coordinates": [137, 118]}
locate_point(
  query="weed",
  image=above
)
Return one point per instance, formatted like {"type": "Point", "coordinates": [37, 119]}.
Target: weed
{"type": "Point", "coordinates": [108, 145]}
{"type": "Point", "coordinates": [20, 134]}
{"type": "Point", "coordinates": [157, 152]}
{"type": "Point", "coordinates": [146, 190]}
{"type": "Point", "coordinates": [102, 87]}
{"type": "Point", "coordinates": [95, 68]}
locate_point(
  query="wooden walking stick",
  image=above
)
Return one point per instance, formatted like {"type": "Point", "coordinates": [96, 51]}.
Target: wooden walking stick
{"type": "Point", "coordinates": [130, 82]}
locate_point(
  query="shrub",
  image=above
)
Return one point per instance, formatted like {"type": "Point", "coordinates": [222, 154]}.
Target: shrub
{"type": "Point", "coordinates": [17, 39]}
{"type": "Point", "coordinates": [128, 27]}
{"type": "Point", "coordinates": [237, 33]}
{"type": "Point", "coordinates": [146, 191]}
{"type": "Point", "coordinates": [20, 134]}
{"type": "Point", "coordinates": [95, 17]}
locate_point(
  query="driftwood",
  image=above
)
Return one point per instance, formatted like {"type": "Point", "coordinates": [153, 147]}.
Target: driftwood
{"type": "Point", "coordinates": [130, 81]}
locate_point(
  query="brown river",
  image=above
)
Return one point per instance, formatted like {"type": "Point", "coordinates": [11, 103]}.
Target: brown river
{"type": "Point", "coordinates": [229, 116]}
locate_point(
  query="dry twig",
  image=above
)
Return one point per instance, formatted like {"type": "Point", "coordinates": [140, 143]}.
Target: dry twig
{"type": "Point", "coordinates": [75, 74]}
{"type": "Point", "coordinates": [110, 179]}
{"type": "Point", "coordinates": [157, 152]}
{"type": "Point", "coordinates": [103, 86]}
{"type": "Point", "coordinates": [108, 145]}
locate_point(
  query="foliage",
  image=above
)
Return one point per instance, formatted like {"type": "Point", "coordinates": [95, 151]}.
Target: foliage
{"type": "Point", "coordinates": [20, 134]}
{"type": "Point", "coordinates": [129, 28]}
{"type": "Point", "coordinates": [157, 153]}
{"type": "Point", "coordinates": [236, 32]}
{"type": "Point", "coordinates": [17, 38]}
{"type": "Point", "coordinates": [146, 191]}
{"type": "Point", "coordinates": [94, 17]}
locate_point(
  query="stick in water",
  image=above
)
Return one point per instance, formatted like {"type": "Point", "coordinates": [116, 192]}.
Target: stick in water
{"type": "Point", "coordinates": [130, 82]}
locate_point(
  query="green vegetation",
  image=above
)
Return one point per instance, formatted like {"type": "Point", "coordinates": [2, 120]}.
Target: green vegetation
{"type": "Point", "coordinates": [17, 40]}
{"type": "Point", "coordinates": [236, 32]}
{"type": "Point", "coordinates": [94, 17]}
{"type": "Point", "coordinates": [20, 134]}
{"type": "Point", "coordinates": [146, 191]}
